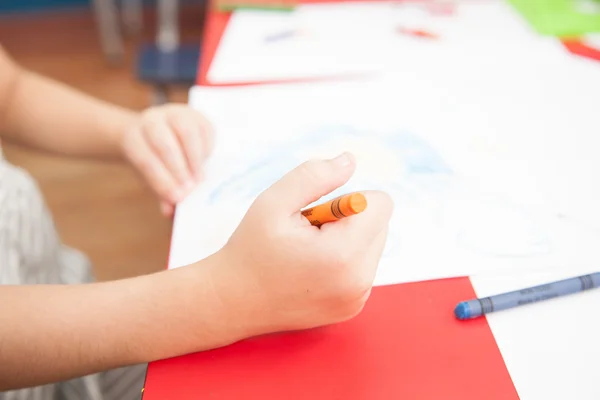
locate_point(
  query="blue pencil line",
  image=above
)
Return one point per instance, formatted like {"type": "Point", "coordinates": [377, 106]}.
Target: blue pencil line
{"type": "Point", "coordinates": [280, 36]}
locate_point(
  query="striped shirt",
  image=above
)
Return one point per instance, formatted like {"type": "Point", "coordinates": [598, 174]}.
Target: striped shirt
{"type": "Point", "coordinates": [31, 253]}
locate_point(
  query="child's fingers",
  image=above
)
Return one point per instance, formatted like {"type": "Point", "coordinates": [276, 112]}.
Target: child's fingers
{"type": "Point", "coordinates": [167, 148]}
{"type": "Point", "coordinates": [143, 157]}
{"type": "Point", "coordinates": [191, 137]}
{"type": "Point", "coordinates": [307, 183]}
{"type": "Point", "coordinates": [208, 133]}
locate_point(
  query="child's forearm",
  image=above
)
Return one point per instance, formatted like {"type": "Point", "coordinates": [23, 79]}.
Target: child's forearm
{"type": "Point", "coordinates": [54, 332]}
{"type": "Point", "coordinates": [47, 115]}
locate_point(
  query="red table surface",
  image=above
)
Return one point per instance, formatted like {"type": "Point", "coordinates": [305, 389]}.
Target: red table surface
{"type": "Point", "coordinates": [405, 344]}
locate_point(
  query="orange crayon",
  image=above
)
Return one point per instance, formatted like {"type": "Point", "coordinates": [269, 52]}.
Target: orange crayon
{"type": "Point", "coordinates": [338, 208]}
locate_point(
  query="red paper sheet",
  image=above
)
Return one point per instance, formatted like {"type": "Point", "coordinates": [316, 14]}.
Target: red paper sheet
{"type": "Point", "coordinates": [406, 344]}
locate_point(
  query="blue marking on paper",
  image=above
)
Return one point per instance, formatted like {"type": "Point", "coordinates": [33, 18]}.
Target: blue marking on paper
{"type": "Point", "coordinates": [424, 186]}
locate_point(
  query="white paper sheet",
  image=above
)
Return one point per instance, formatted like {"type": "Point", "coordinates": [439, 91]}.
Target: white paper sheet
{"type": "Point", "coordinates": [497, 176]}
{"type": "Point", "coordinates": [549, 347]}
{"type": "Point", "coordinates": [343, 39]}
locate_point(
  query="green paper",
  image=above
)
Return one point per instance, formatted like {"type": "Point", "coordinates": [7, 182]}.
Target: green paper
{"type": "Point", "coordinates": [563, 18]}
{"type": "Point", "coordinates": [265, 7]}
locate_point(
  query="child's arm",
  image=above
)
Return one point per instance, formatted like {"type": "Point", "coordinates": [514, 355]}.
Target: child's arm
{"type": "Point", "coordinates": [50, 333]}
{"type": "Point", "coordinates": [167, 145]}
{"type": "Point", "coordinates": [47, 115]}
{"type": "Point", "coordinates": [263, 280]}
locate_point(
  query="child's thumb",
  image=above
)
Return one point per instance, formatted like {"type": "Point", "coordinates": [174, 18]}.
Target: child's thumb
{"type": "Point", "coordinates": [308, 182]}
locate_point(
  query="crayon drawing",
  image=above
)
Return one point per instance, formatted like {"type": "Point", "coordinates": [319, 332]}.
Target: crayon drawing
{"type": "Point", "coordinates": [473, 193]}
{"type": "Point", "coordinates": [426, 191]}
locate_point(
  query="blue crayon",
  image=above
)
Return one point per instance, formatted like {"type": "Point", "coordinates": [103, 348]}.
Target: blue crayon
{"type": "Point", "coordinates": [478, 307]}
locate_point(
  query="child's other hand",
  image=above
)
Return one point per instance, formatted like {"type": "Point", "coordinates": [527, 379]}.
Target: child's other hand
{"type": "Point", "coordinates": [287, 274]}
{"type": "Point", "coordinates": [168, 146]}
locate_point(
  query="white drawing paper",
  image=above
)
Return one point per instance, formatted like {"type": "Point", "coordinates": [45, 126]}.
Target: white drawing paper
{"type": "Point", "coordinates": [477, 188]}
{"type": "Point", "coordinates": [358, 38]}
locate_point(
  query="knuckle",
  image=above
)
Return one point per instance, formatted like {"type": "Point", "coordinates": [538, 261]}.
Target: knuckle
{"type": "Point", "coordinates": [358, 305]}
{"type": "Point", "coordinates": [363, 284]}
{"type": "Point", "coordinates": [311, 170]}
{"type": "Point", "coordinates": [315, 173]}
{"type": "Point", "coordinates": [358, 288]}
{"type": "Point", "coordinates": [381, 206]}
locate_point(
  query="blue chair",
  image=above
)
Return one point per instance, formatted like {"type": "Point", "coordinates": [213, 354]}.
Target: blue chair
{"type": "Point", "coordinates": [164, 68]}
{"type": "Point", "coordinates": [168, 62]}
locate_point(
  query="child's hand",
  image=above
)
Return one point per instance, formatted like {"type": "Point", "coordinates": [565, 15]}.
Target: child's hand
{"type": "Point", "coordinates": [168, 146]}
{"type": "Point", "coordinates": [294, 275]}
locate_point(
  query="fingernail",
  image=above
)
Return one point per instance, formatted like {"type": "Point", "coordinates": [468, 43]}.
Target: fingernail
{"type": "Point", "coordinates": [343, 160]}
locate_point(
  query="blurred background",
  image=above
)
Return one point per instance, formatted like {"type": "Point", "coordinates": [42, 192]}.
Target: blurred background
{"type": "Point", "coordinates": [129, 52]}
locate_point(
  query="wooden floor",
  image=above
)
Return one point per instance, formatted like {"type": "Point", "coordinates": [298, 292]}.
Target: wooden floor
{"type": "Point", "coordinates": [123, 233]}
